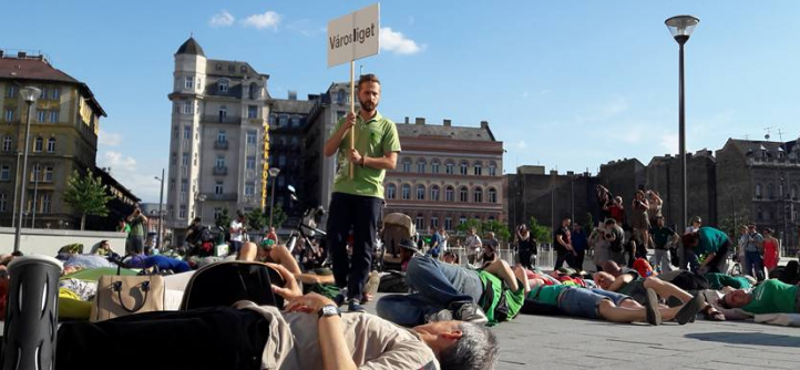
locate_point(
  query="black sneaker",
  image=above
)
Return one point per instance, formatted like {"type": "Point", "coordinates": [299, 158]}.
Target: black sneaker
{"type": "Point", "coordinates": [339, 300]}
{"type": "Point", "coordinates": [354, 305]}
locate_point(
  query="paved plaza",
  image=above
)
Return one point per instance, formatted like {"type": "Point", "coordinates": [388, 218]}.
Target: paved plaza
{"type": "Point", "coordinates": [561, 343]}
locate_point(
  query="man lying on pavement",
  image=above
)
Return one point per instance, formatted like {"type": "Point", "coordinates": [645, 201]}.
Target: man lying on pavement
{"type": "Point", "coordinates": [771, 296]}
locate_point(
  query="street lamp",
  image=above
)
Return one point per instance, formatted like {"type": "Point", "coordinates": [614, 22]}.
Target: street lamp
{"type": "Point", "coordinates": [30, 94]}
{"type": "Point", "coordinates": [201, 199]}
{"type": "Point", "coordinates": [160, 212]}
{"type": "Point", "coordinates": [681, 27]}
{"type": "Point", "coordinates": [273, 172]}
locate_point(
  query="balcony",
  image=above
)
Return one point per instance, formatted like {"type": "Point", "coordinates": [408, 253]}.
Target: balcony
{"type": "Point", "coordinates": [220, 171]}
{"type": "Point", "coordinates": [774, 162]}
{"type": "Point", "coordinates": [215, 118]}
{"type": "Point", "coordinates": [221, 145]}
{"type": "Point", "coordinates": [223, 196]}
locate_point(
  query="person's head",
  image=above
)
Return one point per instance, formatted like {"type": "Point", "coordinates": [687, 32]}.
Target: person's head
{"type": "Point", "coordinates": [690, 240]}
{"type": "Point", "coordinates": [104, 244]}
{"type": "Point", "coordinates": [369, 92]}
{"type": "Point", "coordinates": [767, 232]}
{"type": "Point", "coordinates": [137, 211]}
{"type": "Point", "coordinates": [618, 199]}
{"type": "Point", "coordinates": [736, 299]}
{"type": "Point", "coordinates": [612, 268]}
{"type": "Point", "coordinates": [604, 279]}
{"type": "Point", "coordinates": [490, 235]}
{"type": "Point", "coordinates": [240, 215]}
{"type": "Point", "coordinates": [566, 222]}
{"type": "Point", "coordinates": [576, 226]}
{"type": "Point", "coordinates": [743, 229]}
{"type": "Point", "coordinates": [696, 221]}
{"type": "Point", "coordinates": [460, 345]}
{"type": "Point", "coordinates": [272, 229]}
{"type": "Point", "coordinates": [451, 258]}
{"type": "Point", "coordinates": [660, 221]}
{"type": "Point", "coordinates": [523, 228]}
{"type": "Point", "coordinates": [752, 228]}
{"type": "Point", "coordinates": [196, 221]}
{"type": "Point", "coordinates": [639, 195]}
{"type": "Point", "coordinates": [610, 223]}
{"type": "Point", "coordinates": [651, 194]}
{"type": "Point", "coordinates": [122, 222]}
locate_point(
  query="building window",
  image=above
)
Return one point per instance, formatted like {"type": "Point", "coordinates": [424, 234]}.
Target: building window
{"type": "Point", "coordinates": [464, 167]}
{"type": "Point", "coordinates": [771, 191]}
{"type": "Point", "coordinates": [282, 161]}
{"type": "Point", "coordinates": [340, 96]}
{"type": "Point", "coordinates": [220, 161]}
{"type": "Point", "coordinates": [187, 132]}
{"type": "Point", "coordinates": [251, 137]}
{"type": "Point", "coordinates": [794, 192]}
{"type": "Point", "coordinates": [222, 85]}
{"type": "Point", "coordinates": [492, 195]}
{"type": "Point", "coordinates": [462, 220]}
{"type": "Point", "coordinates": [406, 165]}
{"type": "Point", "coordinates": [420, 192]}
{"type": "Point", "coordinates": [448, 223]}
{"type": "Point", "coordinates": [182, 212]}
{"type": "Point", "coordinates": [420, 222]}
{"type": "Point", "coordinates": [48, 174]}
{"type": "Point", "coordinates": [3, 202]}
{"type": "Point", "coordinates": [391, 189]}
{"type": "Point", "coordinates": [250, 163]}
{"type": "Point", "coordinates": [51, 145]}
{"type": "Point", "coordinates": [41, 115]}
{"type": "Point", "coordinates": [218, 187]}
{"type": "Point", "coordinates": [492, 169]}
{"type": "Point", "coordinates": [7, 143]}
{"type": "Point", "coordinates": [222, 136]}
{"type": "Point", "coordinates": [38, 145]}
{"type": "Point", "coordinates": [43, 95]}
{"type": "Point", "coordinates": [46, 203]}
{"type": "Point", "coordinates": [54, 116]}
{"type": "Point", "coordinates": [187, 107]}
{"type": "Point", "coordinates": [435, 167]}
{"type": "Point", "coordinates": [434, 222]}
{"type": "Point", "coordinates": [5, 173]}
{"type": "Point", "coordinates": [283, 120]}
{"type": "Point", "coordinates": [188, 83]}
{"type": "Point", "coordinates": [463, 194]}
{"type": "Point", "coordinates": [11, 91]}
{"type": "Point", "coordinates": [272, 118]}
{"type": "Point", "coordinates": [477, 195]}
{"type": "Point", "coordinates": [421, 166]}
{"type": "Point", "coordinates": [253, 91]}
{"type": "Point", "coordinates": [477, 168]}
{"type": "Point", "coordinates": [36, 173]}
{"type": "Point", "coordinates": [249, 189]}
{"type": "Point", "coordinates": [758, 191]}
{"type": "Point", "coordinates": [435, 193]}
{"type": "Point", "coordinates": [491, 218]}
{"type": "Point", "coordinates": [185, 159]}
{"type": "Point", "coordinates": [295, 121]}
{"type": "Point", "coordinates": [449, 194]}
{"type": "Point", "coordinates": [406, 192]}
{"type": "Point", "coordinates": [9, 115]}
{"type": "Point", "coordinates": [223, 113]}
{"type": "Point", "coordinates": [55, 93]}
{"type": "Point", "coordinates": [252, 111]}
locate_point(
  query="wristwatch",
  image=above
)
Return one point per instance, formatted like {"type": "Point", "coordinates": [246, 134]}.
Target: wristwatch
{"type": "Point", "coordinates": [329, 310]}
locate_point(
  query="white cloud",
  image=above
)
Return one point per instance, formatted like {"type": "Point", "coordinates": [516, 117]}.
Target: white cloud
{"type": "Point", "coordinates": [615, 106]}
{"type": "Point", "coordinates": [545, 92]}
{"type": "Point", "coordinates": [306, 28]}
{"type": "Point", "coordinates": [108, 138]}
{"type": "Point", "coordinates": [269, 19]}
{"type": "Point", "coordinates": [398, 43]}
{"type": "Point", "coordinates": [125, 170]}
{"type": "Point", "coordinates": [670, 143]}
{"type": "Point", "coordinates": [521, 144]}
{"type": "Point", "coordinates": [222, 19]}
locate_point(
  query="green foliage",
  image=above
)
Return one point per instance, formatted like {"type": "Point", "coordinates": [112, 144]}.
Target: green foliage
{"type": "Point", "coordinates": [223, 219]}
{"type": "Point", "coordinates": [541, 234]}
{"type": "Point", "coordinates": [499, 229]}
{"type": "Point", "coordinates": [256, 220]}
{"type": "Point", "coordinates": [589, 227]}
{"type": "Point", "coordinates": [279, 216]}
{"type": "Point", "coordinates": [87, 195]}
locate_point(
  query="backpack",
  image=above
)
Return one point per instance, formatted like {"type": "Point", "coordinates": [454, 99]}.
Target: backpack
{"type": "Point", "coordinates": [393, 282]}
{"type": "Point", "coordinates": [224, 283]}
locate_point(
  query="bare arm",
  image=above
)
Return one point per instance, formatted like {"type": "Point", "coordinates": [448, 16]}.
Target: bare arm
{"type": "Point", "coordinates": [333, 142]}
{"type": "Point", "coordinates": [335, 354]}
{"type": "Point", "coordinates": [620, 281]}
{"type": "Point", "coordinates": [501, 269]}
{"type": "Point", "coordinates": [387, 162]}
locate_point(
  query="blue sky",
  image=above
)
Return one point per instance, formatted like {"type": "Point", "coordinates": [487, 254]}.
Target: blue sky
{"type": "Point", "coordinates": [565, 84]}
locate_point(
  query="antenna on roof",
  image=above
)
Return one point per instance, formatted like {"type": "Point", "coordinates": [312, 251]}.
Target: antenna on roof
{"type": "Point", "coordinates": [191, 34]}
{"type": "Point", "coordinates": [780, 135]}
{"type": "Point", "coordinates": [767, 129]}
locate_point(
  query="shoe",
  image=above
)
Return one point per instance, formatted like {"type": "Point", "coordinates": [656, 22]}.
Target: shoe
{"type": "Point", "coordinates": [689, 310]}
{"type": "Point", "coordinates": [354, 305]}
{"type": "Point", "coordinates": [653, 314]}
{"type": "Point", "coordinates": [471, 312]}
{"type": "Point", "coordinates": [673, 301]}
{"type": "Point", "coordinates": [339, 300]}
{"type": "Point", "coordinates": [443, 315]}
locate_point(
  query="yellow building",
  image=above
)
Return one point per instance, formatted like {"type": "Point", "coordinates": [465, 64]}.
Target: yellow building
{"type": "Point", "coordinates": [63, 138]}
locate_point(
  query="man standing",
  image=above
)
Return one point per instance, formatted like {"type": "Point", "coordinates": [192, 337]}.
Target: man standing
{"type": "Point", "coordinates": [356, 201]}
{"type": "Point", "coordinates": [237, 231]}
{"type": "Point", "coordinates": [564, 249]}
{"type": "Point", "coordinates": [579, 243]}
{"type": "Point", "coordinates": [135, 243]}
{"type": "Point", "coordinates": [436, 244]}
{"type": "Point", "coordinates": [662, 235]}
{"type": "Point", "coordinates": [753, 262]}
{"type": "Point", "coordinates": [473, 245]}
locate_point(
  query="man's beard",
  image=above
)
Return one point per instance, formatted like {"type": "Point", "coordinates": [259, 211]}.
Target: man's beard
{"type": "Point", "coordinates": [368, 105]}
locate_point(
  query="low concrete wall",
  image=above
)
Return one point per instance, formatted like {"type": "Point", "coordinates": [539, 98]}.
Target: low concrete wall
{"type": "Point", "coordinates": [48, 242]}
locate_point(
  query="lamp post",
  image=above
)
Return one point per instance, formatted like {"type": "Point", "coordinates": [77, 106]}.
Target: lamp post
{"type": "Point", "coordinates": [201, 199]}
{"type": "Point", "coordinates": [30, 94]}
{"type": "Point", "coordinates": [273, 172]}
{"type": "Point", "coordinates": [160, 211]}
{"type": "Point", "coordinates": [681, 27]}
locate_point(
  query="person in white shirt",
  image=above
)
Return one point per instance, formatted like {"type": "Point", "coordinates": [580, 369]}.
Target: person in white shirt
{"type": "Point", "coordinates": [237, 231]}
{"type": "Point", "coordinates": [473, 245]}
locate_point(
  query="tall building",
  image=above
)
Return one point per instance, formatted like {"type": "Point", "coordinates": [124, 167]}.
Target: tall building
{"type": "Point", "coordinates": [218, 141]}
{"type": "Point", "coordinates": [663, 176]}
{"type": "Point", "coordinates": [63, 138]}
{"type": "Point", "coordinates": [550, 197]}
{"type": "Point", "coordinates": [446, 174]}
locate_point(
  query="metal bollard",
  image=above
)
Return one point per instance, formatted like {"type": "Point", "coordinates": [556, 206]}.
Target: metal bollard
{"type": "Point", "coordinates": [29, 336]}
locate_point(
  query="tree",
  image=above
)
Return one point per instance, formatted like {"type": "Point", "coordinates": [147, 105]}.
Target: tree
{"type": "Point", "coordinates": [499, 229]}
{"type": "Point", "coordinates": [541, 234]}
{"type": "Point", "coordinates": [257, 220]}
{"type": "Point", "coordinates": [87, 195]}
{"type": "Point", "coordinates": [223, 219]}
{"type": "Point", "coordinates": [278, 217]}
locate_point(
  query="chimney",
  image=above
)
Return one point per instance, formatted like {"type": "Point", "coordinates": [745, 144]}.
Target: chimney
{"type": "Point", "coordinates": [484, 124]}
{"type": "Point", "coordinates": [406, 122]}
{"type": "Point", "coordinates": [419, 120]}
{"type": "Point", "coordinates": [554, 172]}
{"type": "Point", "coordinates": [447, 123]}
{"type": "Point", "coordinates": [22, 55]}
{"type": "Point", "coordinates": [292, 95]}
{"type": "Point", "coordinates": [570, 173]}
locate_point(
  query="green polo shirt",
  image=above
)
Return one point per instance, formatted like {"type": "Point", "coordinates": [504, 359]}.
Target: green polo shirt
{"type": "Point", "coordinates": [774, 296]}
{"type": "Point", "coordinates": [374, 138]}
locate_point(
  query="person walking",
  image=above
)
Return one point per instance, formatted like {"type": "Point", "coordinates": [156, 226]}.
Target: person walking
{"type": "Point", "coordinates": [753, 262]}
{"type": "Point", "coordinates": [580, 243]}
{"type": "Point", "coordinates": [237, 231]}
{"type": "Point", "coordinates": [772, 250]}
{"type": "Point", "coordinates": [564, 250]}
{"type": "Point", "coordinates": [525, 246]}
{"type": "Point", "coordinates": [357, 200]}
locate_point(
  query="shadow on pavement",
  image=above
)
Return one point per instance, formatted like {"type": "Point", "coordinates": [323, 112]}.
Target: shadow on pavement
{"type": "Point", "coordinates": [758, 339]}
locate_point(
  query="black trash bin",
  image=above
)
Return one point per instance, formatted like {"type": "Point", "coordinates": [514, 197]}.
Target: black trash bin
{"type": "Point", "coordinates": [29, 336]}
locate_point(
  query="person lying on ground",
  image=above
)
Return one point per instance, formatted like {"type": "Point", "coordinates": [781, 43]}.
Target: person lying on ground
{"type": "Point", "coordinates": [445, 290]}
{"type": "Point", "coordinates": [599, 304]}
{"type": "Point", "coordinates": [771, 296]}
{"type": "Point", "coordinates": [637, 288]}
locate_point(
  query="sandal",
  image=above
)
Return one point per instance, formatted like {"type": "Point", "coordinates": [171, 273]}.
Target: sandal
{"type": "Point", "coordinates": [712, 313]}
{"type": "Point", "coordinates": [690, 309]}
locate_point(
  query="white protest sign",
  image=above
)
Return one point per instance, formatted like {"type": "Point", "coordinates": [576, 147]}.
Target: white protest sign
{"type": "Point", "coordinates": [354, 36]}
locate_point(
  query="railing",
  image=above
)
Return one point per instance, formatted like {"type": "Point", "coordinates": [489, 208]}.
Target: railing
{"type": "Point", "coordinates": [222, 145]}
{"type": "Point", "coordinates": [220, 171]}
{"type": "Point", "coordinates": [223, 196]}
{"type": "Point", "coordinates": [215, 118]}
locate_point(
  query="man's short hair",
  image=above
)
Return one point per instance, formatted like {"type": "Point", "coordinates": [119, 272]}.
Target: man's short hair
{"type": "Point", "coordinates": [476, 349]}
{"type": "Point", "coordinates": [690, 239]}
{"type": "Point", "coordinates": [368, 78]}
{"type": "Point", "coordinates": [611, 221]}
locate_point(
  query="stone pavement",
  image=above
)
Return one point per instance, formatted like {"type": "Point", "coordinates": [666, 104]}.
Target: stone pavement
{"type": "Point", "coordinates": [560, 343]}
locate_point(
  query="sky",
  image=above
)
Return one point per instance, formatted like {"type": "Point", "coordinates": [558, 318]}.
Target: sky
{"type": "Point", "coordinates": [568, 84]}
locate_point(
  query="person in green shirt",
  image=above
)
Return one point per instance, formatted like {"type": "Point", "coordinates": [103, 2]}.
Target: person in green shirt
{"type": "Point", "coordinates": [135, 242]}
{"type": "Point", "coordinates": [712, 242]}
{"type": "Point", "coordinates": [357, 200]}
{"type": "Point", "coordinates": [771, 296]}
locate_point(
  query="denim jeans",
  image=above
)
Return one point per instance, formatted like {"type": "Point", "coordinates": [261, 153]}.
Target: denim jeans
{"type": "Point", "coordinates": [361, 214]}
{"type": "Point", "coordinates": [438, 286]}
{"type": "Point", "coordinates": [753, 264]}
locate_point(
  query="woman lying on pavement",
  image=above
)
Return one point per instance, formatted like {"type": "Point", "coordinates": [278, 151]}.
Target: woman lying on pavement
{"type": "Point", "coordinates": [771, 296]}
{"type": "Point", "coordinates": [637, 288]}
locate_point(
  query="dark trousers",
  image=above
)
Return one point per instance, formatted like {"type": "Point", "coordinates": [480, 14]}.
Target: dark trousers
{"type": "Point", "coordinates": [563, 255]}
{"type": "Point", "coordinates": [577, 261]}
{"type": "Point", "coordinates": [720, 258]}
{"type": "Point", "coordinates": [525, 257]}
{"type": "Point", "coordinates": [360, 214]}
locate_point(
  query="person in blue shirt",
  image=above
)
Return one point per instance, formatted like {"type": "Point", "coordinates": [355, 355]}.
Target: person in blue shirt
{"type": "Point", "coordinates": [436, 244]}
{"type": "Point", "coordinates": [579, 243]}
